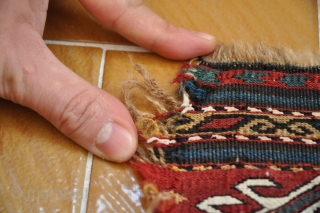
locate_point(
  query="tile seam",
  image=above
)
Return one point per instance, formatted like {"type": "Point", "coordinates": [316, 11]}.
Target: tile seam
{"type": "Point", "coordinates": [101, 70]}
{"type": "Point", "coordinates": [86, 184]}
{"type": "Point", "coordinates": [89, 163]}
{"type": "Point", "coordinates": [116, 47]}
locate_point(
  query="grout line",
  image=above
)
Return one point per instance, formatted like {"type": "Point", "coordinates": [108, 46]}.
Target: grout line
{"type": "Point", "coordinates": [87, 177]}
{"type": "Point", "coordinates": [99, 45]}
{"type": "Point", "coordinates": [101, 70]}
{"type": "Point", "coordinates": [86, 184]}
{"type": "Point", "coordinates": [318, 6]}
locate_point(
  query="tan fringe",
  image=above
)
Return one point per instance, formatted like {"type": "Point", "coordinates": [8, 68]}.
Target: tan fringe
{"type": "Point", "coordinates": [260, 52]}
{"type": "Point", "coordinates": [145, 153]}
{"type": "Point", "coordinates": [160, 201]}
{"type": "Point", "coordinates": [158, 97]}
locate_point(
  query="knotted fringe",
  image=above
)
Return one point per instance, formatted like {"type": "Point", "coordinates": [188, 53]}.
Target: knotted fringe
{"type": "Point", "coordinates": [164, 103]}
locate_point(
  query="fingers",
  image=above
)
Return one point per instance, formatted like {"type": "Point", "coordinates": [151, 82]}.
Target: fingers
{"type": "Point", "coordinates": [140, 25]}
{"type": "Point", "coordinates": [89, 116]}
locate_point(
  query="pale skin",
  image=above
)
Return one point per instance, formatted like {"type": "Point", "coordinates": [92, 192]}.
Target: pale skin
{"type": "Point", "coordinates": [30, 75]}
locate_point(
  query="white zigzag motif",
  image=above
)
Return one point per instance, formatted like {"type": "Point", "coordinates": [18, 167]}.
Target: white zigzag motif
{"type": "Point", "coordinates": [208, 204]}
{"type": "Point", "coordinates": [268, 203]}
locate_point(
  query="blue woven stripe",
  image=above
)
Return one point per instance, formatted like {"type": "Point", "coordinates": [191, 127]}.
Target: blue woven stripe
{"type": "Point", "coordinates": [305, 99]}
{"type": "Point", "coordinates": [231, 151]}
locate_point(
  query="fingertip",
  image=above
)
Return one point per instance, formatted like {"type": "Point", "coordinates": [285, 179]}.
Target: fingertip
{"type": "Point", "coordinates": [184, 45]}
{"type": "Point", "coordinates": [115, 142]}
{"type": "Point", "coordinates": [205, 36]}
{"type": "Point", "coordinates": [208, 43]}
{"type": "Point", "coordinates": [200, 44]}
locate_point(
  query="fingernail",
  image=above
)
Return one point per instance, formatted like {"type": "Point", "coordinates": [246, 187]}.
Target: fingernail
{"type": "Point", "coordinates": [115, 142]}
{"type": "Point", "coordinates": [204, 35]}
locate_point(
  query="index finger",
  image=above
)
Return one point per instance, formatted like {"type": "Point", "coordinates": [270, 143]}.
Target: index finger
{"type": "Point", "coordinates": [139, 24]}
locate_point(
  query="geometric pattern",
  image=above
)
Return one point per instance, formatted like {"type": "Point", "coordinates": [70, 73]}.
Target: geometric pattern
{"type": "Point", "coordinates": [246, 139]}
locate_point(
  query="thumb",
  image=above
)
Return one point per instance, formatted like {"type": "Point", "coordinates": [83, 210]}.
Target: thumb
{"type": "Point", "coordinates": [88, 115]}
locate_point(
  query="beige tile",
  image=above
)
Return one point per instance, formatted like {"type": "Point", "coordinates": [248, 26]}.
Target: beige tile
{"type": "Point", "coordinates": [85, 61]}
{"type": "Point", "coordinates": [42, 170]}
{"type": "Point", "coordinates": [114, 188]}
{"type": "Point", "coordinates": [68, 20]}
{"type": "Point", "coordinates": [287, 22]}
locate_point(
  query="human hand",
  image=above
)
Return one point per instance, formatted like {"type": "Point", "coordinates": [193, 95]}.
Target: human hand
{"type": "Point", "coordinates": [32, 76]}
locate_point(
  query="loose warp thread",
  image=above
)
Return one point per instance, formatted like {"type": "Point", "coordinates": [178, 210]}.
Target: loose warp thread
{"type": "Point", "coordinates": [245, 139]}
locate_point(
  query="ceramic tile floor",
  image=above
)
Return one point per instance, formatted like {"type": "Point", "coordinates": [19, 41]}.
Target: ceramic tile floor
{"type": "Point", "coordinates": [43, 171]}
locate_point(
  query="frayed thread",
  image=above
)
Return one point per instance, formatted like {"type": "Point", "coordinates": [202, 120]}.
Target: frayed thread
{"type": "Point", "coordinates": [159, 98]}
{"type": "Point", "coordinates": [161, 202]}
{"type": "Point", "coordinates": [238, 51]}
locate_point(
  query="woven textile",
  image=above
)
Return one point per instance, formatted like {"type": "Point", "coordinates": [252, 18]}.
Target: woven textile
{"type": "Point", "coordinates": [246, 139]}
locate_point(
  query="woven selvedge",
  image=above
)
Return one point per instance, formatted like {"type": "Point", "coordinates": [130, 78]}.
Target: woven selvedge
{"type": "Point", "coordinates": [246, 139]}
{"type": "Point", "coordinates": [287, 89]}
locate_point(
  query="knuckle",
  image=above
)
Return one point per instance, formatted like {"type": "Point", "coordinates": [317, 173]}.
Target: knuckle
{"type": "Point", "coordinates": [78, 116]}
